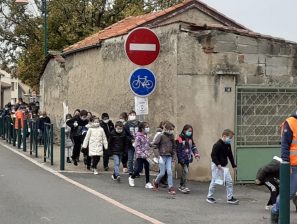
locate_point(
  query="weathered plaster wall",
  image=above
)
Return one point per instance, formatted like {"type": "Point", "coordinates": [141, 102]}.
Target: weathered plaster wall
{"type": "Point", "coordinates": [192, 70]}
{"type": "Point", "coordinates": [193, 16]}
{"type": "Point", "coordinates": [210, 61]}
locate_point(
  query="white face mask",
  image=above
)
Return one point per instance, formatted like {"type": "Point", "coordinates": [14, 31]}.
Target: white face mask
{"type": "Point", "coordinates": [147, 130]}
{"type": "Point", "coordinates": [122, 120]}
{"type": "Point", "coordinates": [106, 121]}
{"type": "Point", "coordinates": [132, 117]}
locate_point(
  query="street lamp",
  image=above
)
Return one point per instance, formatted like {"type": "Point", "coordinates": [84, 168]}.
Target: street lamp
{"type": "Point", "coordinates": [45, 26]}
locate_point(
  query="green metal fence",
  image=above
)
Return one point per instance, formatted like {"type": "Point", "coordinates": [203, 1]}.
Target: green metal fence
{"type": "Point", "coordinates": [19, 137]}
{"type": "Point", "coordinates": [48, 137]}
{"type": "Point", "coordinates": [260, 112]}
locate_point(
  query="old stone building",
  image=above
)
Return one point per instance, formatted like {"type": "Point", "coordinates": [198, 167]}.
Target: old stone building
{"type": "Point", "coordinates": [211, 72]}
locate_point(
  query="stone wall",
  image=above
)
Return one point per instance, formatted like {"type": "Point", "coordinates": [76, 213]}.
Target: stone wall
{"type": "Point", "coordinates": [195, 73]}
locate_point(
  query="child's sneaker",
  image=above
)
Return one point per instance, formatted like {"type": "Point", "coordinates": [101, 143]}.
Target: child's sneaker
{"type": "Point", "coordinates": [182, 189]}
{"type": "Point", "coordinates": [187, 190]}
{"type": "Point", "coordinates": [113, 177]}
{"type": "Point", "coordinates": [171, 191]}
{"type": "Point", "coordinates": [233, 201]}
{"type": "Point", "coordinates": [125, 170]}
{"type": "Point", "coordinates": [131, 182]}
{"type": "Point", "coordinates": [156, 185]}
{"type": "Point", "coordinates": [149, 186]}
{"type": "Point", "coordinates": [119, 178]}
{"type": "Point", "coordinates": [95, 172]}
{"type": "Point", "coordinates": [268, 207]}
{"type": "Point", "coordinates": [211, 200]}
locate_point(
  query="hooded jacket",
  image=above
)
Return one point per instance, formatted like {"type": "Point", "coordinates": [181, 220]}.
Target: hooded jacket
{"type": "Point", "coordinates": [221, 152]}
{"type": "Point", "coordinates": [271, 170]}
{"type": "Point", "coordinates": [117, 143]}
{"type": "Point", "coordinates": [186, 149]}
{"type": "Point", "coordinates": [96, 139]}
{"type": "Point", "coordinates": [164, 145]}
{"type": "Point", "coordinates": [108, 127]}
{"type": "Point", "coordinates": [142, 146]}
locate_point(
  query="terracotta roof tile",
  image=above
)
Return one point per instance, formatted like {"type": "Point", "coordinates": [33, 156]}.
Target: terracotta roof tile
{"type": "Point", "coordinates": [124, 26]}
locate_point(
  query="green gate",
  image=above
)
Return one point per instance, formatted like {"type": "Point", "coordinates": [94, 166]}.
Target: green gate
{"type": "Point", "coordinates": [259, 113]}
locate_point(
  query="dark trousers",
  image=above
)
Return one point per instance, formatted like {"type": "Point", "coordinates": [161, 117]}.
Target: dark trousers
{"type": "Point", "coordinates": [139, 166]}
{"type": "Point", "coordinates": [273, 187]}
{"type": "Point", "coordinates": [87, 158]}
{"type": "Point", "coordinates": [95, 161]}
{"type": "Point", "coordinates": [124, 160]}
{"type": "Point", "coordinates": [105, 158]}
{"type": "Point", "coordinates": [77, 141]}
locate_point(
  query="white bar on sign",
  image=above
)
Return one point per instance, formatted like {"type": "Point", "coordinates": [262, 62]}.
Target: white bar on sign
{"type": "Point", "coordinates": [143, 47]}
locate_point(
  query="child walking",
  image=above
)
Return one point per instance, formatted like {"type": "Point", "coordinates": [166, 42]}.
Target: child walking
{"type": "Point", "coordinates": [97, 140]}
{"type": "Point", "coordinates": [142, 152]}
{"type": "Point", "coordinates": [118, 146]}
{"type": "Point", "coordinates": [186, 150]}
{"type": "Point", "coordinates": [68, 140]}
{"type": "Point", "coordinates": [221, 151]}
{"type": "Point", "coordinates": [164, 149]}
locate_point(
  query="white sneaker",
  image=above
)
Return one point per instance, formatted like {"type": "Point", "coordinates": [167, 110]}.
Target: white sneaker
{"type": "Point", "coordinates": [268, 207]}
{"type": "Point", "coordinates": [95, 172]}
{"type": "Point", "coordinates": [149, 186]}
{"type": "Point", "coordinates": [131, 182]}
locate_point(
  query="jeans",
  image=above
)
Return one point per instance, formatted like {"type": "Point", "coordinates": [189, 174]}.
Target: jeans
{"type": "Point", "coordinates": [165, 165]}
{"type": "Point", "coordinates": [131, 152]}
{"type": "Point", "coordinates": [139, 166]}
{"type": "Point", "coordinates": [228, 181]}
{"type": "Point", "coordinates": [184, 176]}
{"type": "Point", "coordinates": [293, 189]}
{"type": "Point", "coordinates": [116, 160]}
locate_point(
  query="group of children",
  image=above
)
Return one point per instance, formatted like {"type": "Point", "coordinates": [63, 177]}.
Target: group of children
{"type": "Point", "coordinates": [129, 138]}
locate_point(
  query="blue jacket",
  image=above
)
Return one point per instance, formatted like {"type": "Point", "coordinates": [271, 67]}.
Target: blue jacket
{"type": "Point", "coordinates": [286, 141]}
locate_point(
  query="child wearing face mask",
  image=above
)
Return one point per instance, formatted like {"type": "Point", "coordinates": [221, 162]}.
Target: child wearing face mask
{"type": "Point", "coordinates": [124, 118]}
{"type": "Point", "coordinates": [164, 149]}
{"type": "Point", "coordinates": [68, 140]}
{"type": "Point", "coordinates": [186, 150]}
{"type": "Point", "coordinates": [118, 146]}
{"type": "Point", "coordinates": [131, 128]}
{"type": "Point", "coordinates": [77, 123]}
{"type": "Point", "coordinates": [142, 152]}
{"type": "Point", "coordinates": [221, 151]}
{"type": "Point", "coordinates": [108, 127]}
{"type": "Point", "coordinates": [97, 141]}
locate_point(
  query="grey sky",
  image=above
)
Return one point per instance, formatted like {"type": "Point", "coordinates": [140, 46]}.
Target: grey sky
{"type": "Point", "coordinates": [277, 18]}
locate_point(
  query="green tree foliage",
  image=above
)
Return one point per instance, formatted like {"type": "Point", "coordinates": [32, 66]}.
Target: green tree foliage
{"type": "Point", "coordinates": [69, 21]}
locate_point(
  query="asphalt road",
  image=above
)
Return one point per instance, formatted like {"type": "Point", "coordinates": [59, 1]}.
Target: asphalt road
{"type": "Point", "coordinates": [30, 194]}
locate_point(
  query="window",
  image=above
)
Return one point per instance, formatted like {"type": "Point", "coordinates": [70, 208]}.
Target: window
{"type": "Point", "coordinates": [12, 86]}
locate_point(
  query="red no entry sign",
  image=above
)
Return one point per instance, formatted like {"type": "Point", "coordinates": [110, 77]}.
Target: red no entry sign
{"type": "Point", "coordinates": [142, 46]}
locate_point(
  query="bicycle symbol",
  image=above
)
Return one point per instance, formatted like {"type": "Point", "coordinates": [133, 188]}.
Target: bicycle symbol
{"type": "Point", "coordinates": [142, 82]}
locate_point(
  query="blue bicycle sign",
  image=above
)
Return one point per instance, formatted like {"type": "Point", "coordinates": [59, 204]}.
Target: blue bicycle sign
{"type": "Point", "coordinates": [142, 82]}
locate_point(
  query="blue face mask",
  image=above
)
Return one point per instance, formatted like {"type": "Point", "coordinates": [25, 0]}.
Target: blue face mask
{"type": "Point", "coordinates": [188, 133]}
{"type": "Point", "coordinates": [228, 140]}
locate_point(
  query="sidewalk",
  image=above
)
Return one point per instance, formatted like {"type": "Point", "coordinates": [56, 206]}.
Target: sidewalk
{"type": "Point", "coordinates": [186, 208]}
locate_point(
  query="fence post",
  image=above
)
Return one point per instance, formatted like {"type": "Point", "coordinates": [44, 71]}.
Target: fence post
{"type": "Point", "coordinates": [19, 133]}
{"type": "Point", "coordinates": [52, 143]}
{"type": "Point", "coordinates": [284, 213]}
{"type": "Point", "coordinates": [4, 128]}
{"type": "Point", "coordinates": [44, 141]}
{"type": "Point", "coordinates": [31, 136]}
{"type": "Point", "coordinates": [62, 149]}
{"type": "Point", "coordinates": [35, 141]}
{"type": "Point", "coordinates": [13, 133]}
{"type": "Point", "coordinates": [25, 135]}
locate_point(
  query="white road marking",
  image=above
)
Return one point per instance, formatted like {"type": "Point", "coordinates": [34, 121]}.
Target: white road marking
{"type": "Point", "coordinates": [143, 47]}
{"type": "Point", "coordinates": [83, 187]}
